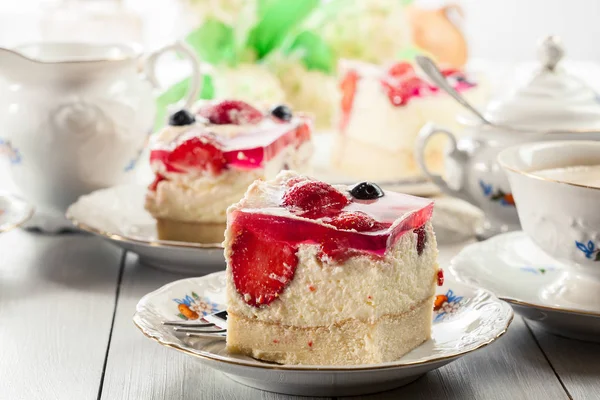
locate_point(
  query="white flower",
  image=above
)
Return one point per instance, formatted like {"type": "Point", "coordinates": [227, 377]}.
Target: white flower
{"type": "Point", "coordinates": [374, 30]}
{"type": "Point", "coordinates": [310, 91]}
{"type": "Point", "coordinates": [201, 307]}
{"type": "Point", "coordinates": [252, 83]}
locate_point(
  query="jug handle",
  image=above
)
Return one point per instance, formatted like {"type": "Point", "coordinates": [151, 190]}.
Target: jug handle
{"type": "Point", "coordinates": [187, 53]}
{"type": "Point", "coordinates": [426, 133]}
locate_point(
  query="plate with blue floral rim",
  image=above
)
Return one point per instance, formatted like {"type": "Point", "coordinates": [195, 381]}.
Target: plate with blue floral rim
{"type": "Point", "coordinates": [465, 319]}
{"type": "Point", "coordinates": [117, 214]}
{"type": "Point", "coordinates": [14, 211]}
{"type": "Point", "coordinates": [550, 294]}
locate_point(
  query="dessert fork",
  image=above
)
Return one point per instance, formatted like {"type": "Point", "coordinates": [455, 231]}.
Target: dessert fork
{"type": "Point", "coordinates": [215, 326]}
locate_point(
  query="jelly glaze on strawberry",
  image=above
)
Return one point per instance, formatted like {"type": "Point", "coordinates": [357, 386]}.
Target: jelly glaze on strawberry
{"type": "Point", "coordinates": [198, 153]}
{"type": "Point", "coordinates": [298, 211]}
{"type": "Point", "coordinates": [229, 142]}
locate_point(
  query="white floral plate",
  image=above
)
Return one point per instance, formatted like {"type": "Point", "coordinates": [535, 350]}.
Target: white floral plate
{"type": "Point", "coordinates": [14, 211]}
{"type": "Point", "coordinates": [465, 320]}
{"type": "Point", "coordinates": [541, 289]}
{"type": "Point", "coordinates": [118, 215]}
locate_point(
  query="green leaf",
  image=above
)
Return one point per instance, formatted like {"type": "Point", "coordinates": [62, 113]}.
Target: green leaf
{"type": "Point", "coordinates": [176, 93]}
{"type": "Point", "coordinates": [180, 315]}
{"type": "Point", "coordinates": [409, 53]}
{"type": "Point", "coordinates": [214, 42]}
{"type": "Point", "coordinates": [313, 51]}
{"type": "Point", "coordinates": [195, 296]}
{"type": "Point", "coordinates": [278, 18]}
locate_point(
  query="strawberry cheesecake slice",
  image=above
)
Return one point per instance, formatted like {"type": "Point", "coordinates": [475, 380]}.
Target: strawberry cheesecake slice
{"type": "Point", "coordinates": [328, 275]}
{"type": "Point", "coordinates": [381, 112]}
{"type": "Point", "coordinates": [203, 163]}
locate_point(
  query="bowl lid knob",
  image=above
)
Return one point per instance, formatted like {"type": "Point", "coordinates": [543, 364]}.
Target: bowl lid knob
{"type": "Point", "coordinates": [550, 52]}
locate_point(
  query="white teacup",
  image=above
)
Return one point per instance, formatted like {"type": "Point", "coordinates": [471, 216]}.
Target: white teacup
{"type": "Point", "coordinates": [76, 117]}
{"type": "Point", "coordinates": [556, 188]}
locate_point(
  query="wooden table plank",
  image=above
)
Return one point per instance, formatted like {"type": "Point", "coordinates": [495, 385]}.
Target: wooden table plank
{"type": "Point", "coordinates": [512, 368]}
{"type": "Point", "coordinates": [577, 363]}
{"type": "Point", "coordinates": [139, 368]}
{"type": "Point", "coordinates": [57, 297]}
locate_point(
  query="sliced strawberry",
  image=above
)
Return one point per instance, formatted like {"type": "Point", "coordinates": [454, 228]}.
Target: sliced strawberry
{"type": "Point", "coordinates": [348, 89]}
{"type": "Point", "coordinates": [315, 199]}
{"type": "Point", "coordinates": [231, 112]}
{"type": "Point", "coordinates": [400, 69]}
{"type": "Point", "coordinates": [400, 91]}
{"type": "Point", "coordinates": [157, 179]}
{"type": "Point", "coordinates": [200, 152]}
{"type": "Point", "coordinates": [357, 221]}
{"type": "Point", "coordinates": [261, 268]}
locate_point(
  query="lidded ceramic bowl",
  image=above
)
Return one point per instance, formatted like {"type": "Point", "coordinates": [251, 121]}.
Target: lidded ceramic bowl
{"type": "Point", "coordinates": [551, 105]}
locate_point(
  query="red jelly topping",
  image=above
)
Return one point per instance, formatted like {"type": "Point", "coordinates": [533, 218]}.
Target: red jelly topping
{"type": "Point", "coordinates": [400, 82]}
{"type": "Point", "coordinates": [357, 221]}
{"type": "Point", "coordinates": [263, 253]}
{"type": "Point", "coordinates": [440, 277]}
{"type": "Point", "coordinates": [200, 150]}
{"type": "Point", "coordinates": [421, 239]}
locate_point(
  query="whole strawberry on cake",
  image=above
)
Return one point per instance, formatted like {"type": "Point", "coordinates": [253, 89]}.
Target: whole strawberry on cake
{"type": "Point", "coordinates": [203, 162]}
{"type": "Point", "coordinates": [381, 111]}
{"type": "Point", "coordinates": [329, 275]}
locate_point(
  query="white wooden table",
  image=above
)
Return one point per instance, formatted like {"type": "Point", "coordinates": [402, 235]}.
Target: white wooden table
{"type": "Point", "coordinates": [66, 304]}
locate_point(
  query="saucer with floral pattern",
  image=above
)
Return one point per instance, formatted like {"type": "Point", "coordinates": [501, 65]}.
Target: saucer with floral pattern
{"type": "Point", "coordinates": [559, 298]}
{"type": "Point", "coordinates": [465, 319]}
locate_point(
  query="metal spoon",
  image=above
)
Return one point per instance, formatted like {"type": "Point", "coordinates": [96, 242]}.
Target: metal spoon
{"type": "Point", "coordinates": [434, 73]}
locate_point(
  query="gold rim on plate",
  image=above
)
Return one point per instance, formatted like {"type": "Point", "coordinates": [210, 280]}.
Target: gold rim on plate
{"type": "Point", "coordinates": [549, 308]}
{"type": "Point", "coordinates": [151, 243]}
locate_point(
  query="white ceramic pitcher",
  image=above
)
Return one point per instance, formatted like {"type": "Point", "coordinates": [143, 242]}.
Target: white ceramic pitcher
{"type": "Point", "coordinates": [75, 117]}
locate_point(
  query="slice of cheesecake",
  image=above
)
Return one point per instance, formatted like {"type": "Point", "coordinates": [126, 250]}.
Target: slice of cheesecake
{"type": "Point", "coordinates": [381, 112]}
{"type": "Point", "coordinates": [204, 163]}
{"type": "Point", "coordinates": [328, 275]}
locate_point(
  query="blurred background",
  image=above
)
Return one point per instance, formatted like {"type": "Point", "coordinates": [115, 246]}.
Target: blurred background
{"type": "Point", "coordinates": [504, 30]}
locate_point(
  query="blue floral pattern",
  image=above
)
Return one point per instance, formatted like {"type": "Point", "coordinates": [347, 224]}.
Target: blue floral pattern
{"type": "Point", "coordinates": [13, 154]}
{"type": "Point", "coordinates": [195, 307]}
{"type": "Point", "coordinates": [590, 250]}
{"type": "Point", "coordinates": [447, 304]}
{"type": "Point", "coordinates": [505, 199]}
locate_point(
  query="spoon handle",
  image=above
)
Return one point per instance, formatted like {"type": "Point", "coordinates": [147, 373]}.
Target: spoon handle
{"type": "Point", "coordinates": [433, 72]}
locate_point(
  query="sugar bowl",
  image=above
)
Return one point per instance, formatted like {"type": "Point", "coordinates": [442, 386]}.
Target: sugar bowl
{"type": "Point", "coordinates": [552, 105]}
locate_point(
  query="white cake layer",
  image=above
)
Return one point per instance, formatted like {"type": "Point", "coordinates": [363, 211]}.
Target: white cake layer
{"type": "Point", "coordinates": [363, 287]}
{"type": "Point", "coordinates": [205, 198]}
{"type": "Point", "coordinates": [375, 121]}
